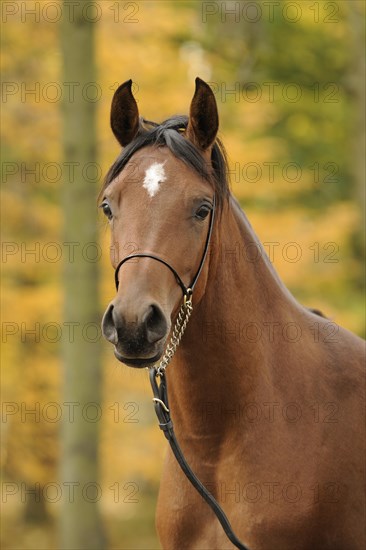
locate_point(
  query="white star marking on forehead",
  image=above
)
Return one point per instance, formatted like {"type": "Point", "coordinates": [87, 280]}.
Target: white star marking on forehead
{"type": "Point", "coordinates": [154, 176]}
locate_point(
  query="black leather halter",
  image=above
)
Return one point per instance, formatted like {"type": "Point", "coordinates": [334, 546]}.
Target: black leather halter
{"type": "Point", "coordinates": [187, 291]}
{"type": "Point", "coordinates": [160, 392]}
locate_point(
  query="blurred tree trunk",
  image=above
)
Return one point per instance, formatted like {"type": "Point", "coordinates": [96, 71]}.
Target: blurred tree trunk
{"type": "Point", "coordinates": [35, 510]}
{"type": "Point", "coordinates": [80, 526]}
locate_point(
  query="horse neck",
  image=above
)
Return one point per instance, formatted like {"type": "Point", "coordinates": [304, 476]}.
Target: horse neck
{"type": "Point", "coordinates": [222, 359]}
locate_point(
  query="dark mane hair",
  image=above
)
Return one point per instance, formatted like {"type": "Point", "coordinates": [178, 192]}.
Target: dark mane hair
{"type": "Point", "coordinates": [169, 134]}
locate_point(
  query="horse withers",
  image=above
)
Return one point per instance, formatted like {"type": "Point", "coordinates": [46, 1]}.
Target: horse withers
{"type": "Point", "coordinates": [273, 426]}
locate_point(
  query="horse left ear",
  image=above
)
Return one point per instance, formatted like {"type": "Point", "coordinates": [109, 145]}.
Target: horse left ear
{"type": "Point", "coordinates": [203, 121]}
{"type": "Point", "coordinates": [124, 114]}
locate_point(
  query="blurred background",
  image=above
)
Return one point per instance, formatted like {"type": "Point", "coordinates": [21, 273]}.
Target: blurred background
{"type": "Point", "coordinates": [81, 453]}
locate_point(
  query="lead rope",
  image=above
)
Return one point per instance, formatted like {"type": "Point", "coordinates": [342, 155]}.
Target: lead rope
{"type": "Point", "coordinates": [162, 411]}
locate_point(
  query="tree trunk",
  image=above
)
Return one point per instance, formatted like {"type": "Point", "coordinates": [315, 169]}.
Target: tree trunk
{"type": "Point", "coordinates": [35, 509]}
{"type": "Point", "coordinates": [80, 525]}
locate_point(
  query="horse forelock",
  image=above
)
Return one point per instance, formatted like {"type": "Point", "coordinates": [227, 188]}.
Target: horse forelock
{"type": "Point", "coordinates": [170, 134]}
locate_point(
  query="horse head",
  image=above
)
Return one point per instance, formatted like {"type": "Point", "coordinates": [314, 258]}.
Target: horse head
{"type": "Point", "coordinates": [159, 197]}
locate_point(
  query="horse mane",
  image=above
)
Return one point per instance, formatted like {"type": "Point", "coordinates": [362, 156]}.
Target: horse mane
{"type": "Point", "coordinates": [169, 133]}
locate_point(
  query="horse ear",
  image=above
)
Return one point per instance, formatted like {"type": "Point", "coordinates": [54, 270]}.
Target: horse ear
{"type": "Point", "coordinates": [203, 116]}
{"type": "Point", "coordinates": [124, 114]}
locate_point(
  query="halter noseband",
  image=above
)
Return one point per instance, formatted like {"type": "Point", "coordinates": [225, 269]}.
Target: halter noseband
{"type": "Point", "coordinates": [187, 291]}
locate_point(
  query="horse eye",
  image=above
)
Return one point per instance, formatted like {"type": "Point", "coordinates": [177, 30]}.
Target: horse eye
{"type": "Point", "coordinates": [202, 212]}
{"type": "Point", "coordinates": [106, 209]}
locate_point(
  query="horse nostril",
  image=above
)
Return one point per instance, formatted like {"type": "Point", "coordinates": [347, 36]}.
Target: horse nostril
{"type": "Point", "coordinates": [108, 327]}
{"type": "Point", "coordinates": [155, 324]}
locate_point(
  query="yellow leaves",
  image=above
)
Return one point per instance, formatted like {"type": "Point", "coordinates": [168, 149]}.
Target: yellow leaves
{"type": "Point", "coordinates": [312, 256]}
{"type": "Point", "coordinates": [301, 126]}
{"type": "Point", "coordinates": [129, 430]}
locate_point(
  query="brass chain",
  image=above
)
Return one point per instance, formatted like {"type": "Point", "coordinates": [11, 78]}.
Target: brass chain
{"type": "Point", "coordinates": [178, 331]}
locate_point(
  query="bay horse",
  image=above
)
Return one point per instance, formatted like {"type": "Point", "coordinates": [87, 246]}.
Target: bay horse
{"type": "Point", "coordinates": [267, 396]}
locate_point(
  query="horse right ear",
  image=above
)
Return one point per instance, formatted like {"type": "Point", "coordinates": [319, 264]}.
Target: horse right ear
{"type": "Point", "coordinates": [203, 117]}
{"type": "Point", "coordinates": [124, 114]}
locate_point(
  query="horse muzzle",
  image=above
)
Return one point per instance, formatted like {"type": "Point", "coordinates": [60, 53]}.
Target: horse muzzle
{"type": "Point", "coordinates": [139, 337]}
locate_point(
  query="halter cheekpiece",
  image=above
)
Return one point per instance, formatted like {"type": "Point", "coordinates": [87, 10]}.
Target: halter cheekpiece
{"type": "Point", "coordinates": [187, 290]}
